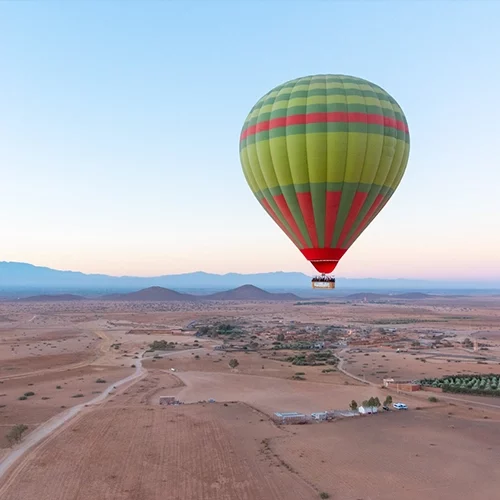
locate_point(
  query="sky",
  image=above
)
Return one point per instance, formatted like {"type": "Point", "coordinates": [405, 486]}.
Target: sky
{"type": "Point", "coordinates": [120, 123]}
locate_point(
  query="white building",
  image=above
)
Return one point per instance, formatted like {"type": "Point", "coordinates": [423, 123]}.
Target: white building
{"type": "Point", "coordinates": [320, 415]}
{"type": "Point", "coordinates": [367, 410]}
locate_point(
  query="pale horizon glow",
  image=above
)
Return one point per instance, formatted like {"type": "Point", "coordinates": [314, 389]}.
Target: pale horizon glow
{"type": "Point", "coordinates": [119, 127]}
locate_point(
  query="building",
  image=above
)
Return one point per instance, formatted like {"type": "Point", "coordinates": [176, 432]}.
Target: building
{"type": "Point", "coordinates": [320, 415]}
{"type": "Point", "coordinates": [290, 418]}
{"type": "Point", "coordinates": [367, 410]}
{"type": "Point", "coordinates": [401, 385]}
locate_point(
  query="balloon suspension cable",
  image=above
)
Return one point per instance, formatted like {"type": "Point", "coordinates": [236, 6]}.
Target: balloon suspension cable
{"type": "Point", "coordinates": [323, 278]}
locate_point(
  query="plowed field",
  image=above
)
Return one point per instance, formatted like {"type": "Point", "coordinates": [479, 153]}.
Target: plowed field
{"type": "Point", "coordinates": [192, 452]}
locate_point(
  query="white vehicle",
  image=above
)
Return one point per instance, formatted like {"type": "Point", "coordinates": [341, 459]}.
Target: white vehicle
{"type": "Point", "coordinates": [399, 406]}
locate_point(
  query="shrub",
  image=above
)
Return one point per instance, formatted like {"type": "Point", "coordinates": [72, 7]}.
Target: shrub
{"type": "Point", "coordinates": [77, 396]}
{"type": "Point", "coordinates": [58, 387]}
{"type": "Point", "coordinates": [15, 435]}
{"type": "Point", "coordinates": [233, 363]}
{"type": "Point", "coordinates": [30, 393]}
{"type": "Point", "coordinates": [323, 494]}
{"type": "Point", "coordinates": [433, 399]}
{"type": "Point", "coordinates": [100, 381]}
{"type": "Point", "coordinates": [22, 398]}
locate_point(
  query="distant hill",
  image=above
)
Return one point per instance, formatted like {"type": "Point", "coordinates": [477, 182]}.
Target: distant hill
{"type": "Point", "coordinates": [250, 292]}
{"type": "Point", "coordinates": [28, 279]}
{"type": "Point", "coordinates": [64, 297]}
{"type": "Point", "coordinates": [151, 294]}
{"type": "Point", "coordinates": [382, 296]}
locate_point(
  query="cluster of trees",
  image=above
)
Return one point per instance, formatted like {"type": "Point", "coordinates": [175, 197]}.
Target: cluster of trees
{"type": "Point", "coordinates": [373, 402]}
{"type": "Point", "coordinates": [224, 329]}
{"type": "Point", "coordinates": [161, 345]}
{"type": "Point", "coordinates": [483, 385]}
{"type": "Point", "coordinates": [293, 345]}
{"type": "Point", "coordinates": [313, 359]}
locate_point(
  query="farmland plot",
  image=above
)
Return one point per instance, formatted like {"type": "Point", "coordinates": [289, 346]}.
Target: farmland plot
{"type": "Point", "coordinates": [191, 452]}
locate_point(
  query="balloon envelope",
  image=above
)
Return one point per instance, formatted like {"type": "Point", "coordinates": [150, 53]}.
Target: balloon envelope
{"type": "Point", "coordinates": [323, 154]}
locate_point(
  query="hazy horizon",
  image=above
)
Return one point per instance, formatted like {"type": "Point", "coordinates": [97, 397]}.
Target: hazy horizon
{"type": "Point", "coordinates": [119, 138]}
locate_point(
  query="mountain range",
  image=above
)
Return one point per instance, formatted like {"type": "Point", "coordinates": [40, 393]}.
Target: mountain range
{"type": "Point", "coordinates": [159, 294]}
{"type": "Point", "coordinates": [22, 276]}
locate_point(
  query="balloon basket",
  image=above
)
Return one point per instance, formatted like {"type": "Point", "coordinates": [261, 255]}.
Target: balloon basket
{"type": "Point", "coordinates": [325, 284]}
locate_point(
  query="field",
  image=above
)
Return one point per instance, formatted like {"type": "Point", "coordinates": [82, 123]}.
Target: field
{"type": "Point", "coordinates": [128, 447]}
{"type": "Point", "coordinates": [414, 455]}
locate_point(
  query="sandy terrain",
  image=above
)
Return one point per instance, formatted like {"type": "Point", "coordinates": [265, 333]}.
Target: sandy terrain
{"type": "Point", "coordinates": [189, 452]}
{"type": "Point", "coordinates": [386, 363]}
{"type": "Point", "coordinates": [59, 350]}
{"type": "Point", "coordinates": [410, 455]}
{"type": "Point", "coordinates": [48, 398]}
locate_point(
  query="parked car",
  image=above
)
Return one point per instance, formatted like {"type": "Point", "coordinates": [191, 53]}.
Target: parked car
{"type": "Point", "coordinates": [400, 406]}
{"type": "Point", "coordinates": [386, 408]}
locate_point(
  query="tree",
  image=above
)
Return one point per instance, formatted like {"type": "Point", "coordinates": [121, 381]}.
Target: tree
{"type": "Point", "coordinates": [233, 363]}
{"type": "Point", "coordinates": [353, 406]}
{"type": "Point", "coordinates": [280, 337]}
{"type": "Point", "coordinates": [377, 402]}
{"type": "Point", "coordinates": [388, 400]}
{"type": "Point", "coordinates": [311, 358]}
{"type": "Point", "coordinates": [15, 435]}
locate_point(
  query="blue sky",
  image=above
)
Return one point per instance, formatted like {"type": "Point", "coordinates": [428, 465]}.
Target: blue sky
{"type": "Point", "coordinates": [119, 127]}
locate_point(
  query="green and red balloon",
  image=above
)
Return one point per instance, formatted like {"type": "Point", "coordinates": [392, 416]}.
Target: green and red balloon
{"type": "Point", "coordinates": [323, 154]}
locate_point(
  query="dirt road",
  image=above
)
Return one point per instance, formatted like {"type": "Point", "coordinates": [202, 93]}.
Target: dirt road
{"type": "Point", "coordinates": [54, 423]}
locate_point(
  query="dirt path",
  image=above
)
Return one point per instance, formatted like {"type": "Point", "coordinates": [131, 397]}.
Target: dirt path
{"type": "Point", "coordinates": [54, 423]}
{"type": "Point", "coordinates": [340, 367]}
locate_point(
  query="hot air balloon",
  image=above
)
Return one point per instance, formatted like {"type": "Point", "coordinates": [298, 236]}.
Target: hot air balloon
{"type": "Point", "coordinates": [323, 154]}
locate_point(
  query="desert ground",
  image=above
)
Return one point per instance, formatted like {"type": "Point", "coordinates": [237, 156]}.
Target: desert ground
{"type": "Point", "coordinates": [57, 358]}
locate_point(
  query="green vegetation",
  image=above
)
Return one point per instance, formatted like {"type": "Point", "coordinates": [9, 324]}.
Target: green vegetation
{"type": "Point", "coordinates": [314, 359]}
{"type": "Point", "coordinates": [372, 402]}
{"type": "Point", "coordinates": [58, 387]}
{"type": "Point", "coordinates": [405, 321]}
{"type": "Point", "coordinates": [233, 363]}
{"type": "Point", "coordinates": [28, 394]}
{"type": "Point", "coordinates": [15, 435]}
{"type": "Point", "coordinates": [100, 381]}
{"type": "Point", "coordinates": [220, 329]}
{"type": "Point", "coordinates": [161, 345]}
{"type": "Point", "coordinates": [22, 398]}
{"type": "Point", "coordinates": [433, 399]}
{"type": "Point", "coordinates": [388, 400]}
{"type": "Point", "coordinates": [482, 385]}
{"type": "Point", "coordinates": [323, 494]}
{"type": "Point", "coordinates": [77, 396]}
{"type": "Point", "coordinates": [298, 346]}
{"type": "Point", "coordinates": [353, 406]}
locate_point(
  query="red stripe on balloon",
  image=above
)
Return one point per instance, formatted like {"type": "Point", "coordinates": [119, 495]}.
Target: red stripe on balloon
{"type": "Point", "coordinates": [287, 215]}
{"type": "Point", "coordinates": [306, 207]}
{"type": "Point", "coordinates": [356, 205]}
{"type": "Point", "coordinates": [331, 208]}
{"type": "Point", "coordinates": [324, 117]}
{"type": "Point", "coordinates": [362, 225]}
